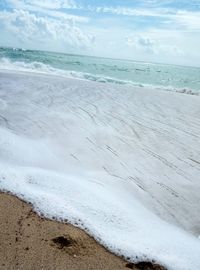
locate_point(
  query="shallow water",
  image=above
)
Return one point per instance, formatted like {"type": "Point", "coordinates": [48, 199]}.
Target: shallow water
{"type": "Point", "coordinates": [121, 162]}
{"type": "Point", "coordinates": [170, 77]}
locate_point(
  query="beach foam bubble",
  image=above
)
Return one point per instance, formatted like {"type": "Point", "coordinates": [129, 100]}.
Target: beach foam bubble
{"type": "Point", "coordinates": [119, 162]}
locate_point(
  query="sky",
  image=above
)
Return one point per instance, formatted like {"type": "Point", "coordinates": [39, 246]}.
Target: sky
{"type": "Point", "coordinates": [147, 30]}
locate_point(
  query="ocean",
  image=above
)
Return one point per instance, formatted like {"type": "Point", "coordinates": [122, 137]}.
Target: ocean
{"type": "Point", "coordinates": [167, 77]}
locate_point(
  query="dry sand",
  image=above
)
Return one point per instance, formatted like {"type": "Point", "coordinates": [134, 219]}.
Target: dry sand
{"type": "Point", "coordinates": [30, 242]}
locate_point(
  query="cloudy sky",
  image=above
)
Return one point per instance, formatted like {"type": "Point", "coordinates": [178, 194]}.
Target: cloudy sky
{"type": "Point", "coordinates": [145, 30]}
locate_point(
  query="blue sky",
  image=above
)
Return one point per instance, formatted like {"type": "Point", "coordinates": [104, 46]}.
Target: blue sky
{"type": "Point", "coordinates": [147, 30]}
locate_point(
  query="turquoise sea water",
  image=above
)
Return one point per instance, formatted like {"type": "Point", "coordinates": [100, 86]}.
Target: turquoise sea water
{"type": "Point", "coordinates": [170, 77]}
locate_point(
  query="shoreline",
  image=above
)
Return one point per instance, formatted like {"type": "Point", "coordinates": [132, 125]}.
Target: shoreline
{"type": "Point", "coordinates": [113, 161]}
{"type": "Point", "coordinates": [29, 241]}
{"type": "Point", "coordinates": [170, 89]}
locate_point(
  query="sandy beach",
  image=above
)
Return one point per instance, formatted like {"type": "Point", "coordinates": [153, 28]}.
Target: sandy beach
{"type": "Point", "coordinates": [32, 242]}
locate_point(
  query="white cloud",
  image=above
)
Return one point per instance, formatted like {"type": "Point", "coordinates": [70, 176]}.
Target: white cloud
{"type": "Point", "coordinates": [32, 29]}
{"type": "Point", "coordinates": [155, 45]}
{"type": "Point", "coordinates": [55, 4]}
{"type": "Point", "coordinates": [140, 41]}
{"type": "Point", "coordinates": [130, 11]}
{"type": "Point", "coordinates": [169, 17]}
{"type": "Point", "coordinates": [46, 4]}
{"type": "Point", "coordinates": [48, 8]}
{"type": "Point", "coordinates": [187, 20]}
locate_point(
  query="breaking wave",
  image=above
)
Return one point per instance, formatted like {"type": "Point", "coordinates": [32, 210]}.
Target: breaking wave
{"type": "Point", "coordinates": [39, 67]}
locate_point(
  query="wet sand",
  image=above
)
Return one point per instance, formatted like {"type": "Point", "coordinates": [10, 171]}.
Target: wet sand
{"type": "Point", "coordinates": [28, 241]}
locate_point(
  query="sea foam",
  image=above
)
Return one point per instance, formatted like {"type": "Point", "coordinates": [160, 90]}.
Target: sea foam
{"type": "Point", "coordinates": [120, 162]}
{"type": "Point", "coordinates": [41, 68]}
